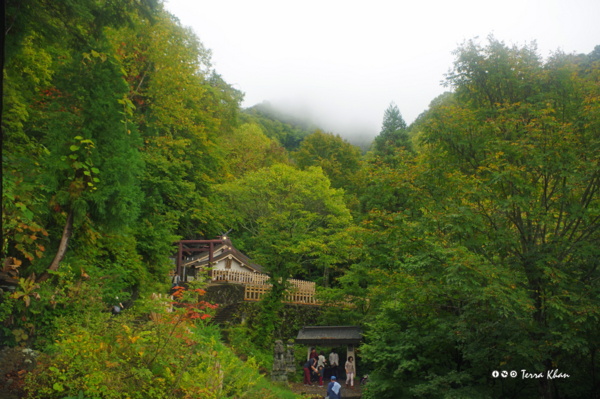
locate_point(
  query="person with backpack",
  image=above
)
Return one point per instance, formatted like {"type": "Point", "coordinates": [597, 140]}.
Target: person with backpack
{"type": "Point", "coordinates": [334, 389]}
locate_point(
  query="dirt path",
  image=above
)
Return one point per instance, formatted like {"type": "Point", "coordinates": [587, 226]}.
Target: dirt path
{"type": "Point", "coordinates": [315, 392]}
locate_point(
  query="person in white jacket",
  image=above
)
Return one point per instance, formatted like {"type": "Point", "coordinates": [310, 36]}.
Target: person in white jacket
{"type": "Point", "coordinates": [334, 361]}
{"type": "Point", "coordinates": [321, 360]}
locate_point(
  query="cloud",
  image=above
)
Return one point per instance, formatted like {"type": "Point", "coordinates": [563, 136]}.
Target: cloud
{"type": "Point", "coordinates": [344, 62]}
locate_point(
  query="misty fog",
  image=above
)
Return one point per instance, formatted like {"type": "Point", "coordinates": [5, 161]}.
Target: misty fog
{"type": "Point", "coordinates": [341, 64]}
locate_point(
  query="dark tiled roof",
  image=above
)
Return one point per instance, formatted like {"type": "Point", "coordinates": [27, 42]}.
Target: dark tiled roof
{"type": "Point", "coordinates": [329, 335]}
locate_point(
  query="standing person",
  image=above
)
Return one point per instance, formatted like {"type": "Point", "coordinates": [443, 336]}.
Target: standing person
{"type": "Point", "coordinates": [320, 374]}
{"type": "Point", "coordinates": [313, 353]}
{"type": "Point", "coordinates": [334, 361]}
{"type": "Point", "coordinates": [350, 372]}
{"type": "Point", "coordinates": [334, 389]}
{"type": "Point", "coordinates": [311, 364]}
{"type": "Point", "coordinates": [321, 360]}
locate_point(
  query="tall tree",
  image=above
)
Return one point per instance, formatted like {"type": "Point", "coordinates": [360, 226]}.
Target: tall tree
{"type": "Point", "coordinates": [525, 140]}
{"type": "Point", "coordinates": [393, 133]}
{"type": "Point", "coordinates": [491, 265]}
{"type": "Point", "coordinates": [63, 109]}
{"type": "Point", "coordinates": [184, 111]}
{"type": "Point", "coordinates": [289, 221]}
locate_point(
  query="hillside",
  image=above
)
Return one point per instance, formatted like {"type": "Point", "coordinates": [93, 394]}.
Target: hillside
{"type": "Point", "coordinates": [463, 246]}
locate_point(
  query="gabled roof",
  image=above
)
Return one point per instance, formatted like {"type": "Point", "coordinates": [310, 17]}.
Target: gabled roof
{"type": "Point", "coordinates": [228, 250]}
{"type": "Point", "coordinates": [329, 335]}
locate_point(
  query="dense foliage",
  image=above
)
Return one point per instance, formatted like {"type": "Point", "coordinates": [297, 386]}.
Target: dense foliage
{"type": "Point", "coordinates": [488, 262]}
{"type": "Point", "coordinates": [464, 243]}
{"type": "Point", "coordinates": [339, 159]}
{"type": "Point", "coordinates": [287, 130]}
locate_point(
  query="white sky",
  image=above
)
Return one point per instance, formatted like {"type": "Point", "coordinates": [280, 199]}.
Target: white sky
{"type": "Point", "coordinates": [343, 62]}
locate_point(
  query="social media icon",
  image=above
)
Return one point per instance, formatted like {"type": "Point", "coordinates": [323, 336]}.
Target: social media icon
{"type": "Point", "coordinates": [513, 374]}
{"type": "Point", "coordinates": [504, 373]}
{"type": "Point", "coordinates": [495, 373]}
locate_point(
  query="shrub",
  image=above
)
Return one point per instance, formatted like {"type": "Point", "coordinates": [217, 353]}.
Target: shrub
{"type": "Point", "coordinates": [242, 344]}
{"type": "Point", "coordinates": [160, 356]}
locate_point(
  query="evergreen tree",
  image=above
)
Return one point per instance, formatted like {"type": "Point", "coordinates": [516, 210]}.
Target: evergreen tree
{"type": "Point", "coordinates": [393, 133]}
{"type": "Point", "coordinates": [392, 120]}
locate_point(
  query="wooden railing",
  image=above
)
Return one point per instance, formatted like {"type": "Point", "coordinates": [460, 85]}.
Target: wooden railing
{"type": "Point", "coordinates": [303, 285]}
{"type": "Point", "coordinates": [240, 277]}
{"type": "Point", "coordinates": [255, 292]}
{"type": "Point", "coordinates": [246, 278]}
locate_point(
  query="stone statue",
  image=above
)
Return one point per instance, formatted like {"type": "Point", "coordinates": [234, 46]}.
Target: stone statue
{"type": "Point", "coordinates": [279, 372]}
{"type": "Point", "coordinates": [290, 359]}
{"type": "Point", "coordinates": [278, 347]}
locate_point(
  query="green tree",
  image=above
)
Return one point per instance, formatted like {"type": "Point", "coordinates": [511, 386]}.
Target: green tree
{"type": "Point", "coordinates": [415, 129]}
{"type": "Point", "coordinates": [339, 159]}
{"type": "Point", "coordinates": [490, 263]}
{"type": "Point", "coordinates": [290, 221]}
{"type": "Point", "coordinates": [393, 133]}
{"type": "Point", "coordinates": [184, 110]}
{"type": "Point", "coordinates": [522, 145]}
{"type": "Point", "coordinates": [65, 102]}
{"type": "Point", "coordinates": [247, 149]}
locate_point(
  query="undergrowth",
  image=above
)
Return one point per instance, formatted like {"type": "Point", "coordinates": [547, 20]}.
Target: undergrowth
{"type": "Point", "coordinates": [147, 352]}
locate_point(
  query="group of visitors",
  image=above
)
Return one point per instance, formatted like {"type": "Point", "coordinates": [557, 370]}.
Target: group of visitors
{"type": "Point", "coordinates": [315, 366]}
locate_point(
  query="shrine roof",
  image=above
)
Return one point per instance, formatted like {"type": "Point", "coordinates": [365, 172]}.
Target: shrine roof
{"type": "Point", "coordinates": [329, 335]}
{"type": "Point", "coordinates": [228, 250]}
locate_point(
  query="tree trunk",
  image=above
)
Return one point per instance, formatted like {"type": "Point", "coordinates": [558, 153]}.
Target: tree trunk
{"type": "Point", "coordinates": [594, 392]}
{"type": "Point", "coordinates": [544, 384]}
{"type": "Point", "coordinates": [62, 248]}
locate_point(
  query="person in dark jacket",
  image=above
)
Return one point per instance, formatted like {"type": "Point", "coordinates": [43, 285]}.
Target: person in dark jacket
{"type": "Point", "coordinates": [310, 365]}
{"type": "Point", "coordinates": [334, 389]}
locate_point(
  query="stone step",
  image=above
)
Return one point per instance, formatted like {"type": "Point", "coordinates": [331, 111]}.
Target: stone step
{"type": "Point", "coordinates": [225, 313]}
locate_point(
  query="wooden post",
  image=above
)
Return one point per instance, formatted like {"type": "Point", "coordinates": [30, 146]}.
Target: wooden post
{"type": "Point", "coordinates": [179, 255]}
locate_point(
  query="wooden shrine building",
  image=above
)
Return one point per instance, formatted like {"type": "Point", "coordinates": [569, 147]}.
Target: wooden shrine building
{"type": "Point", "coordinates": [219, 262]}
{"type": "Point", "coordinates": [332, 337]}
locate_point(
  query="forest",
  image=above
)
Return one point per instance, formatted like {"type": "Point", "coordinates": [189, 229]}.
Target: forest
{"type": "Point", "coordinates": [464, 244]}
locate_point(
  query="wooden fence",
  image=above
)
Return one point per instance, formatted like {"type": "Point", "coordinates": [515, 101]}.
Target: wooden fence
{"type": "Point", "coordinates": [240, 277]}
{"type": "Point", "coordinates": [255, 292]}
{"type": "Point", "coordinates": [247, 278]}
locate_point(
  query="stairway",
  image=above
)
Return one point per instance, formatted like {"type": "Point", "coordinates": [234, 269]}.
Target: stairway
{"type": "Point", "coordinates": [224, 314]}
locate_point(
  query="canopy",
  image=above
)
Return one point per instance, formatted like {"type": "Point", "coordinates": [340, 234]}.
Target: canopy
{"type": "Point", "coordinates": [329, 335]}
